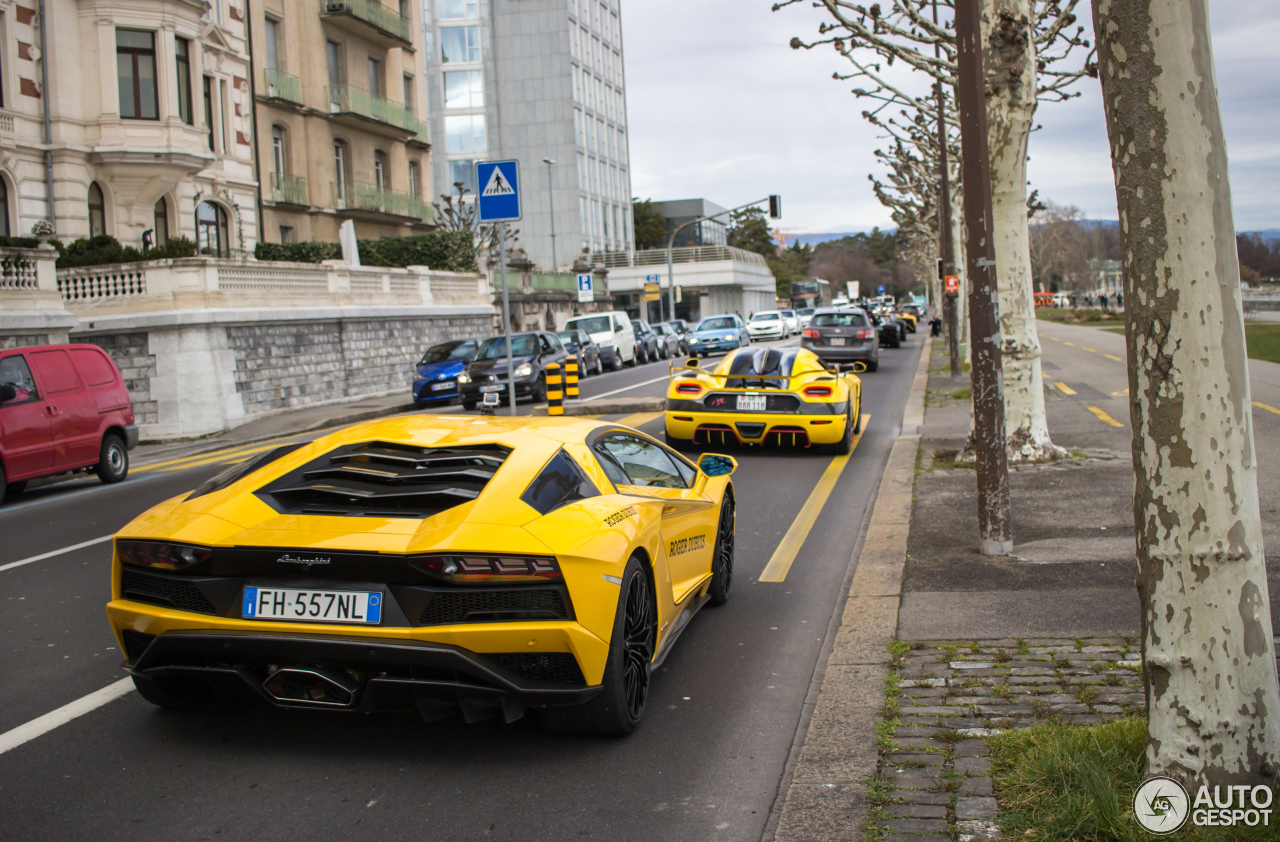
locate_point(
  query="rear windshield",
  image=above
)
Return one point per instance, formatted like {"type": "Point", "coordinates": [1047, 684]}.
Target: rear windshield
{"type": "Point", "coordinates": [765, 317]}
{"type": "Point", "coordinates": [805, 311]}
{"type": "Point", "coordinates": [722, 323]}
{"type": "Point", "coordinates": [521, 346]}
{"type": "Point", "coordinates": [594, 324]}
{"type": "Point", "coordinates": [839, 320]}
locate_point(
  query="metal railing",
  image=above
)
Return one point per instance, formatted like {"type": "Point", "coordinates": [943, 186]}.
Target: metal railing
{"type": "Point", "coordinates": [371, 12]}
{"type": "Point", "coordinates": [289, 188]}
{"type": "Point", "coordinates": [347, 98]}
{"type": "Point", "coordinates": [370, 197]}
{"type": "Point", "coordinates": [688, 254]}
{"type": "Point", "coordinates": [281, 85]}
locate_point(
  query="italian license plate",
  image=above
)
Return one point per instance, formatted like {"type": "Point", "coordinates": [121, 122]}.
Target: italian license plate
{"type": "Point", "coordinates": [440, 387]}
{"type": "Point", "coordinates": [312, 606]}
{"type": "Point", "coordinates": [752, 403]}
{"type": "Point", "coordinates": [496, 387]}
{"type": "Point", "coordinates": [491, 399]}
{"type": "Point", "coordinates": [836, 340]}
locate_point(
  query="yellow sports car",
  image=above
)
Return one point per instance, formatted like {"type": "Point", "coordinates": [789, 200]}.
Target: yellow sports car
{"type": "Point", "coordinates": [765, 396]}
{"type": "Point", "coordinates": [441, 564]}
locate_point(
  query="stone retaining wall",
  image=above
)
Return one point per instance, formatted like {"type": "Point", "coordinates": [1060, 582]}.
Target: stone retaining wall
{"type": "Point", "coordinates": [137, 365]}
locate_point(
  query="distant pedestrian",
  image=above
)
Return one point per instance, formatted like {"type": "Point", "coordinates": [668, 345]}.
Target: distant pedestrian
{"type": "Point", "coordinates": [935, 326]}
{"type": "Point", "coordinates": [1119, 300]}
{"type": "Point", "coordinates": [1102, 301]}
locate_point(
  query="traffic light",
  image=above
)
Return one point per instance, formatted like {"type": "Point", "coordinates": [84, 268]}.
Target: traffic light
{"type": "Point", "coordinates": [775, 207]}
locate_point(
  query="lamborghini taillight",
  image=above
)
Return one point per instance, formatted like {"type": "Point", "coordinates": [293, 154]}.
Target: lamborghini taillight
{"type": "Point", "coordinates": [489, 569]}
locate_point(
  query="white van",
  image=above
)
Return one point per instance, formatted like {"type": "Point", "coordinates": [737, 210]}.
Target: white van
{"type": "Point", "coordinates": [612, 331]}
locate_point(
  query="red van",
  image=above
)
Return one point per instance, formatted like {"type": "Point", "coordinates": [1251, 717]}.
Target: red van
{"type": "Point", "coordinates": [62, 408]}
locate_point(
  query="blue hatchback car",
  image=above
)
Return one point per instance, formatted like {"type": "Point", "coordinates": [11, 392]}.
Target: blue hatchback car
{"type": "Point", "coordinates": [719, 333]}
{"type": "Point", "coordinates": [437, 375]}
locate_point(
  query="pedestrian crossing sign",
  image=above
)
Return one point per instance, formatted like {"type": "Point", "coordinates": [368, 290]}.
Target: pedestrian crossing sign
{"type": "Point", "coordinates": [499, 199]}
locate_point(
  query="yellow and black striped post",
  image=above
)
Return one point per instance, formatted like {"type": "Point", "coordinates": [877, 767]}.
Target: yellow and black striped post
{"type": "Point", "coordinates": [571, 377]}
{"type": "Point", "coordinates": [555, 395]}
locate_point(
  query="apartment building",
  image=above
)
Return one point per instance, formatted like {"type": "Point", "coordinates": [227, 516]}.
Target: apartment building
{"type": "Point", "coordinates": [340, 104]}
{"type": "Point", "coordinates": [147, 110]}
{"type": "Point", "coordinates": [540, 81]}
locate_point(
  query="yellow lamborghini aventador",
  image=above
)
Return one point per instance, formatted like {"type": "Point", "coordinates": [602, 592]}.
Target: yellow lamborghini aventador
{"type": "Point", "coordinates": [434, 563]}
{"type": "Point", "coordinates": [759, 396]}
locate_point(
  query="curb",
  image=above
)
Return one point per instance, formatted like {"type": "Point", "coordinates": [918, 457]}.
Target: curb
{"type": "Point", "coordinates": [826, 796]}
{"type": "Point", "coordinates": [617, 406]}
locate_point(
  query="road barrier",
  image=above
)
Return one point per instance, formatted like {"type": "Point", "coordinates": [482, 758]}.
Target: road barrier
{"type": "Point", "coordinates": [555, 394]}
{"type": "Point", "coordinates": [571, 377]}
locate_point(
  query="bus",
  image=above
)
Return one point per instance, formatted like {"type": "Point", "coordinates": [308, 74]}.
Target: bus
{"type": "Point", "coordinates": [814, 292]}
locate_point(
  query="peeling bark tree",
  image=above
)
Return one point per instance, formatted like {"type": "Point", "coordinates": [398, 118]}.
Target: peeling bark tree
{"type": "Point", "coordinates": [1209, 664]}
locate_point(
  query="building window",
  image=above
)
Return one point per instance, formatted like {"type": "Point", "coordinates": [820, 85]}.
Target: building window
{"type": "Point", "coordinates": [97, 211]}
{"type": "Point", "coordinates": [211, 230]}
{"type": "Point", "coordinates": [582, 214]}
{"type": "Point", "coordinates": [463, 88]}
{"type": "Point", "coordinates": [376, 85]}
{"type": "Point", "coordinates": [380, 169]}
{"type": "Point", "coordinates": [287, 234]}
{"type": "Point", "coordinates": [182, 54]}
{"type": "Point", "coordinates": [464, 173]}
{"type": "Point", "coordinates": [340, 169]}
{"type": "Point", "coordinates": [279, 150]}
{"type": "Point", "coordinates": [414, 180]}
{"type": "Point", "coordinates": [465, 133]}
{"type": "Point", "coordinates": [207, 91]}
{"type": "Point", "coordinates": [162, 221]}
{"type": "Point", "coordinates": [4, 208]}
{"type": "Point", "coordinates": [582, 172]}
{"type": "Point", "coordinates": [136, 70]}
{"type": "Point", "coordinates": [408, 93]}
{"type": "Point", "coordinates": [222, 115]}
{"type": "Point", "coordinates": [458, 9]}
{"type": "Point", "coordinates": [271, 33]}
{"type": "Point", "coordinates": [334, 52]}
{"type": "Point", "coordinates": [460, 44]}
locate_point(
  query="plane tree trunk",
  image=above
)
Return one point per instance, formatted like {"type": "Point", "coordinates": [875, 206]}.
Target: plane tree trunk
{"type": "Point", "coordinates": [1208, 652]}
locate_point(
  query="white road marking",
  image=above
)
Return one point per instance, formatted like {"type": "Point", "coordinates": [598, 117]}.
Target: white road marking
{"type": "Point", "coordinates": [53, 719]}
{"type": "Point", "coordinates": [53, 553]}
{"type": "Point", "coordinates": [626, 388]}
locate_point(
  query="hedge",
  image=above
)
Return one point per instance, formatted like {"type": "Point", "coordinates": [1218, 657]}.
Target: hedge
{"type": "Point", "coordinates": [449, 251]}
{"type": "Point", "coordinates": [105, 248]}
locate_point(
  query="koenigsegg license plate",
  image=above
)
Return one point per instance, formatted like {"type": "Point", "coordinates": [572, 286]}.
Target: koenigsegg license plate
{"type": "Point", "coordinates": [438, 387]}
{"type": "Point", "coordinates": [752, 403]}
{"type": "Point", "coordinates": [497, 387]}
{"type": "Point", "coordinates": [312, 606]}
{"type": "Point", "coordinates": [836, 340]}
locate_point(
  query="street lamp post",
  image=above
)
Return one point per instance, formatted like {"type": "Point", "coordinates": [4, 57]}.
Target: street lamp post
{"type": "Point", "coordinates": [551, 206]}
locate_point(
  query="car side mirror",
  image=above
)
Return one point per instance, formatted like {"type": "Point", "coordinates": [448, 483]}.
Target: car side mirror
{"type": "Point", "coordinates": [7, 392]}
{"type": "Point", "coordinates": [717, 465]}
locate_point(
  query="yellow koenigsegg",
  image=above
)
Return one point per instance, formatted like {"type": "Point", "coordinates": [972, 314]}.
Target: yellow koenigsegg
{"type": "Point", "coordinates": [758, 396]}
{"type": "Point", "coordinates": [431, 563]}
{"type": "Point", "coordinates": [908, 318]}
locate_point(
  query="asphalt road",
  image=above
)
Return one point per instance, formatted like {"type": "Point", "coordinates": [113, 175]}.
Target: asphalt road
{"type": "Point", "coordinates": [706, 763]}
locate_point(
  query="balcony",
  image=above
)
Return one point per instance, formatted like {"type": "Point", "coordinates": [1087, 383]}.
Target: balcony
{"type": "Point", "coordinates": [282, 86]}
{"type": "Point", "coordinates": [351, 104]}
{"type": "Point", "coordinates": [288, 189]}
{"type": "Point", "coordinates": [368, 19]}
{"type": "Point", "coordinates": [371, 199]}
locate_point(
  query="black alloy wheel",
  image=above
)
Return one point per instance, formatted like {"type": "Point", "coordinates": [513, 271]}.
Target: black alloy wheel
{"type": "Point", "coordinates": [113, 459]}
{"type": "Point", "coordinates": [599, 365]}
{"type": "Point", "coordinates": [619, 706]}
{"type": "Point", "coordinates": [845, 445]}
{"type": "Point", "coordinates": [722, 560]}
{"type": "Point", "coordinates": [617, 360]}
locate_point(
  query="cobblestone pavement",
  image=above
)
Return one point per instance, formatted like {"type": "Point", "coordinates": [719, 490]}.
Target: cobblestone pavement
{"type": "Point", "coordinates": [943, 698]}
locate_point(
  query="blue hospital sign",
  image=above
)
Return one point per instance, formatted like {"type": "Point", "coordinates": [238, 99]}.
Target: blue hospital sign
{"type": "Point", "coordinates": [499, 185]}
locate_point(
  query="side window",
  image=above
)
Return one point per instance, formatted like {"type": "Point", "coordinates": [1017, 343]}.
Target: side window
{"type": "Point", "coordinates": [561, 482]}
{"type": "Point", "coordinates": [546, 344]}
{"type": "Point", "coordinates": [644, 463]}
{"type": "Point", "coordinates": [14, 372]}
{"type": "Point", "coordinates": [618, 325]}
{"type": "Point", "coordinates": [56, 372]}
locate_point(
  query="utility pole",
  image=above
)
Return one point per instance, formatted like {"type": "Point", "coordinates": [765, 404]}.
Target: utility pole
{"type": "Point", "coordinates": [946, 248]}
{"type": "Point", "coordinates": [551, 206]}
{"type": "Point", "coordinates": [992, 460]}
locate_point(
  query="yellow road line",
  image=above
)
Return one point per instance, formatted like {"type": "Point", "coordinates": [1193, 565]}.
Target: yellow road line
{"type": "Point", "coordinates": [226, 453]}
{"type": "Point", "coordinates": [1266, 407]}
{"type": "Point", "coordinates": [785, 555]}
{"type": "Point", "coordinates": [1120, 394]}
{"type": "Point", "coordinates": [1044, 374]}
{"type": "Point", "coordinates": [1065, 389]}
{"type": "Point", "coordinates": [1112, 357]}
{"type": "Point", "coordinates": [1055, 339]}
{"type": "Point", "coordinates": [228, 458]}
{"type": "Point", "coordinates": [1090, 350]}
{"type": "Point", "coordinates": [1106, 419]}
{"type": "Point", "coordinates": [1072, 344]}
{"type": "Point", "coordinates": [639, 418]}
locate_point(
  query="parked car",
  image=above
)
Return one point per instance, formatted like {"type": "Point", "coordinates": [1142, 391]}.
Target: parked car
{"type": "Point", "coordinates": [648, 348]}
{"type": "Point", "coordinates": [804, 314]}
{"type": "Point", "coordinates": [436, 377]}
{"type": "Point", "coordinates": [531, 353]}
{"type": "Point", "coordinates": [839, 335]}
{"type": "Point", "coordinates": [792, 321]}
{"type": "Point", "coordinates": [62, 408]}
{"type": "Point", "coordinates": [719, 333]}
{"type": "Point", "coordinates": [685, 332]}
{"type": "Point", "coordinates": [669, 344]}
{"type": "Point", "coordinates": [580, 344]}
{"type": "Point", "coordinates": [613, 334]}
{"type": "Point", "coordinates": [768, 324]}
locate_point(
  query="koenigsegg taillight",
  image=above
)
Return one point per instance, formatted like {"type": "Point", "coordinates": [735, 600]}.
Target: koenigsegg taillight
{"type": "Point", "coordinates": [465, 569]}
{"type": "Point", "coordinates": [161, 555]}
{"type": "Point", "coordinates": [689, 388]}
{"type": "Point", "coordinates": [818, 391]}
{"type": "Point", "coordinates": [810, 333]}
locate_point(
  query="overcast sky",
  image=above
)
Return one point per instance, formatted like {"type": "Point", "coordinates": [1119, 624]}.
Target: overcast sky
{"type": "Point", "coordinates": [720, 107]}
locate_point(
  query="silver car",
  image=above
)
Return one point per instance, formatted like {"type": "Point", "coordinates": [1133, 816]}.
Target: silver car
{"type": "Point", "coordinates": [843, 335]}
